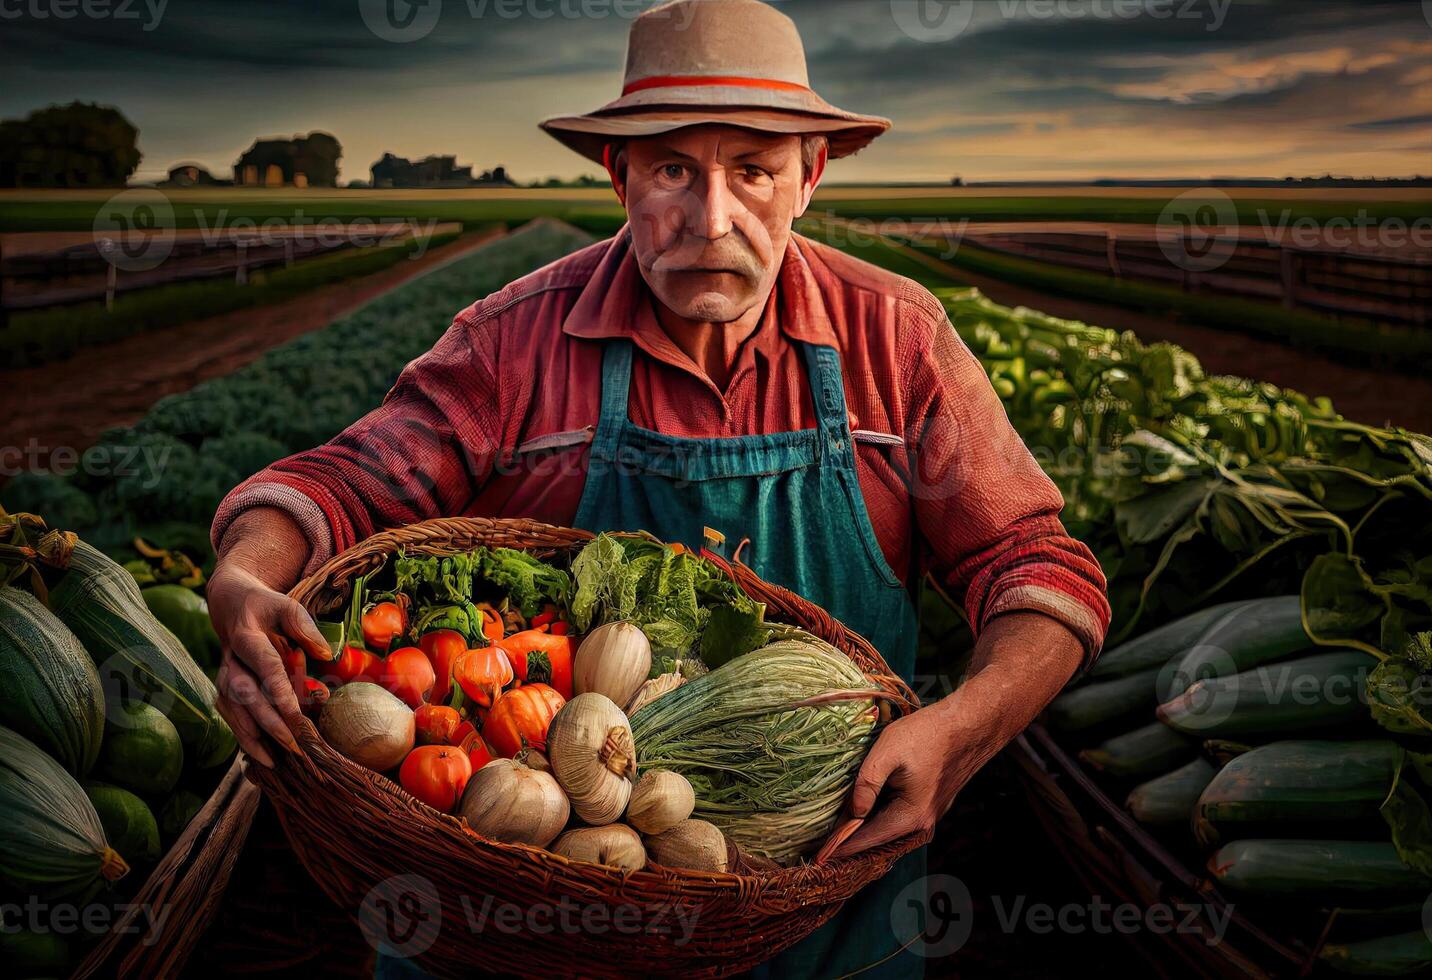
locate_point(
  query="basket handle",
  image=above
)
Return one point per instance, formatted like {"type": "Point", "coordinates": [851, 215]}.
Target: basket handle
{"type": "Point", "coordinates": [838, 836]}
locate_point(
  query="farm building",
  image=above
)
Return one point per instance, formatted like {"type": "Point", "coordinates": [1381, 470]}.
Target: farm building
{"type": "Point", "coordinates": [433, 171]}
{"type": "Point", "coordinates": [191, 175]}
{"type": "Point", "coordinates": [304, 161]}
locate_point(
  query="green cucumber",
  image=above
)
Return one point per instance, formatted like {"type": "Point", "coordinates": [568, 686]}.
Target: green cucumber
{"type": "Point", "coordinates": [1104, 703]}
{"type": "Point", "coordinates": [52, 693]}
{"type": "Point", "coordinates": [1321, 870]}
{"type": "Point", "coordinates": [1315, 694]}
{"type": "Point", "coordinates": [1155, 748]}
{"type": "Point", "coordinates": [1157, 646]}
{"type": "Point", "coordinates": [128, 823]}
{"type": "Point", "coordinates": [1169, 799]}
{"type": "Point", "coordinates": [1248, 636]}
{"type": "Point", "coordinates": [1309, 783]}
{"type": "Point", "coordinates": [1405, 954]}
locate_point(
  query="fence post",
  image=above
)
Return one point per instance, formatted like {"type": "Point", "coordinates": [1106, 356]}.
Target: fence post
{"type": "Point", "coordinates": [1111, 249]}
{"type": "Point", "coordinates": [241, 271]}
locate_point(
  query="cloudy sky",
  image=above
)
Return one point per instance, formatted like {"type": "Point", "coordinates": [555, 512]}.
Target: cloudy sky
{"type": "Point", "coordinates": [988, 89]}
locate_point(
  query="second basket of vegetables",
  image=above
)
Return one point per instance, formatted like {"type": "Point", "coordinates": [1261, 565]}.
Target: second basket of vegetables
{"type": "Point", "coordinates": [523, 719]}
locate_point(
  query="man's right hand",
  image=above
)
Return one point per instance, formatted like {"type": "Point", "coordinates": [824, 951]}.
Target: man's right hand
{"type": "Point", "coordinates": [249, 612]}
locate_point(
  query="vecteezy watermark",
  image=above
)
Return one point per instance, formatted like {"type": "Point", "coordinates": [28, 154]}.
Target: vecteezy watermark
{"type": "Point", "coordinates": [146, 462]}
{"type": "Point", "coordinates": [136, 231]}
{"type": "Point", "coordinates": [405, 21]}
{"type": "Point", "coordinates": [936, 21]}
{"type": "Point", "coordinates": [568, 916]}
{"type": "Point", "coordinates": [95, 919]}
{"type": "Point", "coordinates": [87, 9]}
{"type": "Point", "coordinates": [935, 916]}
{"type": "Point", "coordinates": [857, 233]}
{"type": "Point", "coordinates": [1427, 15]}
{"type": "Point", "coordinates": [1361, 231]}
{"type": "Point", "coordinates": [401, 916]}
{"type": "Point", "coordinates": [1198, 230]}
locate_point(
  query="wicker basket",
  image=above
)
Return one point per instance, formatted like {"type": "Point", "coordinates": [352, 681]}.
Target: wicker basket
{"type": "Point", "coordinates": [424, 885]}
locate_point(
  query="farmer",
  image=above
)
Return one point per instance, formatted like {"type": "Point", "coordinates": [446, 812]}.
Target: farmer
{"type": "Point", "coordinates": [709, 367]}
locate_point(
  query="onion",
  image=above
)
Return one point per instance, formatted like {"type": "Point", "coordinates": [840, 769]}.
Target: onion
{"type": "Point", "coordinates": [368, 725]}
{"type": "Point", "coordinates": [613, 660]}
{"type": "Point", "coordinates": [692, 844]}
{"type": "Point", "coordinates": [660, 801]}
{"type": "Point", "coordinates": [590, 748]}
{"type": "Point", "coordinates": [615, 845]}
{"type": "Point", "coordinates": [509, 802]}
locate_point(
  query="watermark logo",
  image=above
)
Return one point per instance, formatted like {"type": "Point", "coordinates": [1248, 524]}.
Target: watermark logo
{"type": "Point", "coordinates": [1198, 230]}
{"type": "Point", "coordinates": [134, 230]}
{"type": "Point", "coordinates": [149, 11]}
{"type": "Point", "coordinates": [1427, 11]}
{"type": "Point", "coordinates": [932, 21]}
{"type": "Point", "coordinates": [401, 916]}
{"type": "Point", "coordinates": [400, 21]}
{"type": "Point", "coordinates": [933, 916]}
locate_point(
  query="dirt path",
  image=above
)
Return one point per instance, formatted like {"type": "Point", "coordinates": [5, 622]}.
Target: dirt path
{"type": "Point", "coordinates": [69, 403]}
{"type": "Point", "coordinates": [1365, 394]}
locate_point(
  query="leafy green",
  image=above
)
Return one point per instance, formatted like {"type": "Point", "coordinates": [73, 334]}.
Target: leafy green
{"type": "Point", "coordinates": [1410, 821]}
{"type": "Point", "coordinates": [528, 581]}
{"type": "Point", "coordinates": [606, 584]}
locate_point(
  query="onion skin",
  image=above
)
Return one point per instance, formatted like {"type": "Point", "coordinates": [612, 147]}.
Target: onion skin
{"type": "Point", "coordinates": [692, 844]}
{"type": "Point", "coordinates": [661, 800]}
{"type": "Point", "coordinates": [613, 661]}
{"type": "Point", "coordinates": [508, 802]}
{"type": "Point", "coordinates": [368, 725]}
{"type": "Point", "coordinates": [615, 845]}
{"type": "Point", "coordinates": [589, 746]}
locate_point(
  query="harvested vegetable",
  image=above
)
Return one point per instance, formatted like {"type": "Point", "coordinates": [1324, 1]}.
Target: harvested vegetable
{"type": "Point", "coordinates": [436, 774]}
{"type": "Point", "coordinates": [613, 661]}
{"type": "Point", "coordinates": [368, 725]}
{"type": "Point", "coordinates": [128, 823]}
{"type": "Point", "coordinates": [182, 806]}
{"type": "Point", "coordinates": [384, 622]}
{"type": "Point", "coordinates": [408, 675]}
{"type": "Point", "coordinates": [539, 657]}
{"type": "Point", "coordinates": [142, 750]}
{"type": "Point", "coordinates": [51, 839]}
{"type": "Point", "coordinates": [1142, 753]}
{"type": "Point", "coordinates": [771, 742]}
{"type": "Point", "coordinates": [52, 694]}
{"type": "Point", "coordinates": [1403, 955]}
{"type": "Point", "coordinates": [590, 747]}
{"type": "Point", "coordinates": [653, 689]}
{"type": "Point", "coordinates": [1334, 870]}
{"type": "Point", "coordinates": [442, 647]}
{"type": "Point", "coordinates": [1126, 699]}
{"type": "Point", "coordinates": [520, 719]}
{"type": "Point", "coordinates": [1247, 636]}
{"type": "Point", "coordinates": [661, 800]}
{"type": "Point", "coordinates": [615, 845]}
{"type": "Point", "coordinates": [1158, 646]}
{"type": "Point", "coordinates": [1168, 800]}
{"type": "Point", "coordinates": [692, 844]}
{"type": "Point", "coordinates": [509, 802]}
{"type": "Point", "coordinates": [482, 674]}
{"type": "Point", "coordinates": [185, 613]}
{"type": "Point", "coordinates": [437, 724]}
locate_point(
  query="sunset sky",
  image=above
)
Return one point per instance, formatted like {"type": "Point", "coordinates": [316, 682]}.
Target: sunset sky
{"type": "Point", "coordinates": [990, 90]}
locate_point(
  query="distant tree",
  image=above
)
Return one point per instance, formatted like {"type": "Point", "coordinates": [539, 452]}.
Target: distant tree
{"type": "Point", "coordinates": [77, 145]}
{"type": "Point", "coordinates": [317, 156]}
{"type": "Point", "coordinates": [957, 182]}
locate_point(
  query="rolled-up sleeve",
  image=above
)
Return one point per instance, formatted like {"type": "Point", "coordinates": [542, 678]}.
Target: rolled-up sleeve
{"type": "Point", "coordinates": [989, 515]}
{"type": "Point", "coordinates": [424, 453]}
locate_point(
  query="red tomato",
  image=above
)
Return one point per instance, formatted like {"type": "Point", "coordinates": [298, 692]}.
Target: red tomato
{"type": "Point", "coordinates": [538, 657]}
{"type": "Point", "coordinates": [357, 664]}
{"type": "Point", "coordinates": [383, 623]}
{"type": "Point", "coordinates": [408, 675]}
{"type": "Point", "coordinates": [437, 724]}
{"type": "Point", "coordinates": [436, 774]}
{"type": "Point", "coordinates": [520, 718]}
{"type": "Point", "coordinates": [442, 647]}
{"type": "Point", "coordinates": [479, 753]}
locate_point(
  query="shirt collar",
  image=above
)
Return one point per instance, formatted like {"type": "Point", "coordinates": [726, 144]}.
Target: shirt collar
{"type": "Point", "coordinates": [616, 299]}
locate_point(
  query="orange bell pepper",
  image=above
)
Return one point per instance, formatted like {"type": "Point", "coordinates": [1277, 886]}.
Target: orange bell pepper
{"type": "Point", "coordinates": [482, 674]}
{"type": "Point", "coordinates": [520, 719]}
{"type": "Point", "coordinates": [539, 657]}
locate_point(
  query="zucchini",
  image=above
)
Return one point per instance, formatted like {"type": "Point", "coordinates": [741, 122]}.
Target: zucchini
{"type": "Point", "coordinates": [1318, 693]}
{"type": "Point", "coordinates": [1155, 748]}
{"type": "Point", "coordinates": [1103, 703]}
{"type": "Point", "coordinates": [51, 839]}
{"type": "Point", "coordinates": [1168, 800]}
{"type": "Point", "coordinates": [1401, 955]}
{"type": "Point", "coordinates": [1157, 646]}
{"type": "Point", "coordinates": [52, 693]}
{"type": "Point", "coordinates": [100, 601]}
{"type": "Point", "coordinates": [1248, 636]}
{"type": "Point", "coordinates": [1307, 783]}
{"type": "Point", "coordinates": [1324, 870]}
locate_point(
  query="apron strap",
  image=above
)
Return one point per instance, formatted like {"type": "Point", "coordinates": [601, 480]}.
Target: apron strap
{"type": "Point", "coordinates": [827, 390]}
{"type": "Point", "coordinates": [616, 393]}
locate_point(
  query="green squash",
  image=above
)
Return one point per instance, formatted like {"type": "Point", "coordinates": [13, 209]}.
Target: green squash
{"type": "Point", "coordinates": [138, 658]}
{"type": "Point", "coordinates": [128, 823]}
{"type": "Point", "coordinates": [51, 840]}
{"type": "Point", "coordinates": [142, 751]}
{"type": "Point", "coordinates": [185, 614]}
{"type": "Point", "coordinates": [51, 689]}
{"type": "Point", "coordinates": [182, 806]}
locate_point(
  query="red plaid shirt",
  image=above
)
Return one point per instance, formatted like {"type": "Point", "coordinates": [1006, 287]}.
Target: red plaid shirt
{"type": "Point", "coordinates": [496, 418]}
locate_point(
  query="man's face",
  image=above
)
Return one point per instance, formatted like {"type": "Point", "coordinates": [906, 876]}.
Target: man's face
{"type": "Point", "coordinates": [710, 209]}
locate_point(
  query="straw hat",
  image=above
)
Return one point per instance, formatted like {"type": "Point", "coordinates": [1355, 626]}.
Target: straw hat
{"type": "Point", "coordinates": [737, 62]}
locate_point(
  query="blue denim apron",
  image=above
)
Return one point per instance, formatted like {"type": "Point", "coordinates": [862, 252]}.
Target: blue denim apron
{"type": "Point", "coordinates": [796, 497]}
